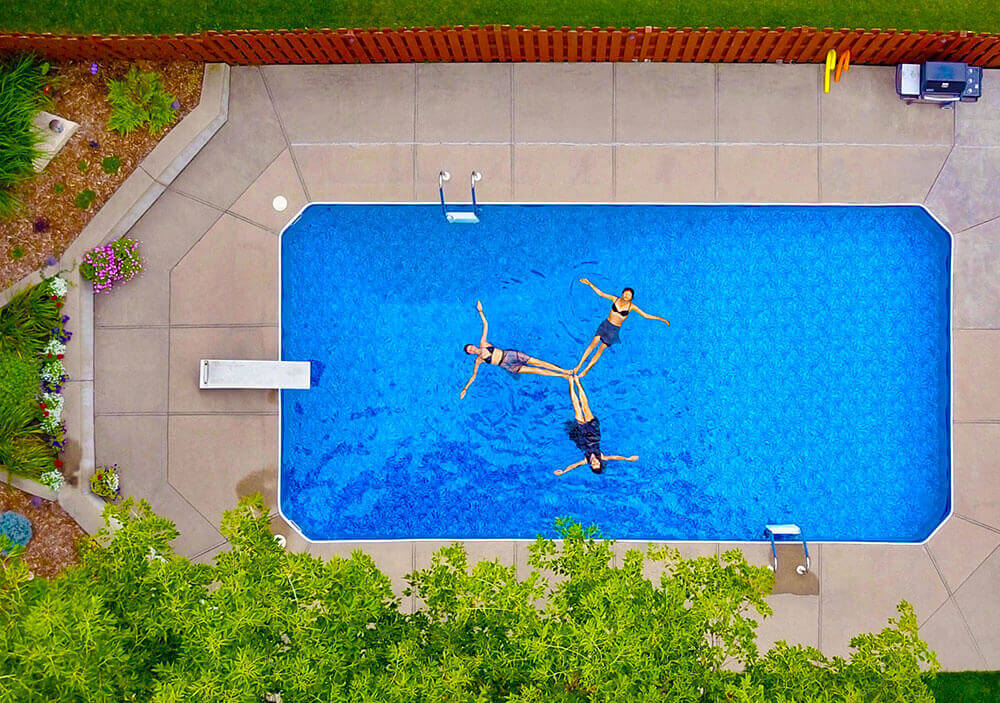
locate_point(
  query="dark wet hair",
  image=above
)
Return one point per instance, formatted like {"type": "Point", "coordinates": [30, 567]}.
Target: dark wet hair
{"type": "Point", "coordinates": [629, 290]}
{"type": "Point", "coordinates": [466, 348]}
{"type": "Point", "coordinates": [598, 470]}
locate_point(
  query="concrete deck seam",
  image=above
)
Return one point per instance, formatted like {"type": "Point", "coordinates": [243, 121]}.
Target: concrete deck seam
{"type": "Point", "coordinates": [989, 219]}
{"type": "Point", "coordinates": [237, 325]}
{"type": "Point", "coordinates": [206, 551]}
{"type": "Point", "coordinates": [226, 210]}
{"type": "Point", "coordinates": [819, 140]}
{"type": "Point", "coordinates": [513, 195]}
{"type": "Point", "coordinates": [938, 570]}
{"type": "Point", "coordinates": [614, 132]}
{"type": "Point", "coordinates": [977, 422]}
{"type": "Point", "coordinates": [986, 559]}
{"type": "Point", "coordinates": [413, 150]}
{"type": "Point", "coordinates": [972, 635]}
{"type": "Point", "coordinates": [819, 602]}
{"type": "Point", "coordinates": [226, 413]}
{"type": "Point", "coordinates": [404, 142]}
{"type": "Point", "coordinates": [284, 135]}
{"type": "Point", "coordinates": [170, 483]}
{"type": "Point", "coordinates": [991, 528]}
{"type": "Point", "coordinates": [940, 171]}
{"type": "Point", "coordinates": [222, 213]}
{"type": "Point", "coordinates": [715, 142]}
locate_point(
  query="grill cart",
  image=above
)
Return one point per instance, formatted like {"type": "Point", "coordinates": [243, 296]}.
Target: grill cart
{"type": "Point", "coordinates": [941, 82]}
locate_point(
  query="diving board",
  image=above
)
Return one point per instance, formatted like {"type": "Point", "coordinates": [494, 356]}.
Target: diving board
{"type": "Point", "coordinates": [234, 373]}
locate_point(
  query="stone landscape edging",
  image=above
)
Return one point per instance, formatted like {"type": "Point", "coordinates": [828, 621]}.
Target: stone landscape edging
{"type": "Point", "coordinates": [122, 210]}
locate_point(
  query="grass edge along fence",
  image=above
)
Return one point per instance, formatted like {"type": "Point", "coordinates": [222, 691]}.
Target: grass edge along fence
{"type": "Point", "coordinates": [502, 43]}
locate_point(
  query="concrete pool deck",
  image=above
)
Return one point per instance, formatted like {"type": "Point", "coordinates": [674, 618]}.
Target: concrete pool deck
{"type": "Point", "coordinates": [552, 132]}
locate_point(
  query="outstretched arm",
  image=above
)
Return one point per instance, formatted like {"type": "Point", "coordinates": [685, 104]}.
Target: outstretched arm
{"type": "Point", "coordinates": [648, 316]}
{"type": "Point", "coordinates": [486, 327]}
{"type": "Point", "coordinates": [616, 457]}
{"type": "Point", "coordinates": [560, 472]}
{"type": "Point", "coordinates": [596, 289]}
{"type": "Point", "coordinates": [475, 370]}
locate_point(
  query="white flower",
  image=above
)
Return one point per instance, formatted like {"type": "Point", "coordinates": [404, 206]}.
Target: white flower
{"type": "Point", "coordinates": [54, 347]}
{"type": "Point", "coordinates": [53, 371]}
{"type": "Point", "coordinates": [53, 402]}
{"type": "Point", "coordinates": [111, 480]}
{"type": "Point", "coordinates": [51, 478]}
{"type": "Point", "coordinates": [58, 286]}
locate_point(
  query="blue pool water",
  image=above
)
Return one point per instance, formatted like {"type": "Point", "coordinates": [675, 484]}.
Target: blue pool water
{"type": "Point", "coordinates": [804, 377]}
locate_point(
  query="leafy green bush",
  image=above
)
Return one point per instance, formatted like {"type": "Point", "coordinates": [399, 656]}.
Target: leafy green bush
{"type": "Point", "coordinates": [18, 382]}
{"type": "Point", "coordinates": [139, 100]}
{"type": "Point", "coordinates": [84, 199]}
{"type": "Point", "coordinates": [27, 320]}
{"type": "Point", "coordinates": [16, 528]}
{"type": "Point", "coordinates": [21, 97]}
{"type": "Point", "coordinates": [261, 620]}
{"type": "Point", "coordinates": [111, 164]}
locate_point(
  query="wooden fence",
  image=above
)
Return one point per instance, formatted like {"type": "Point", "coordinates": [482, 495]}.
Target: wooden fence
{"type": "Point", "coordinates": [505, 43]}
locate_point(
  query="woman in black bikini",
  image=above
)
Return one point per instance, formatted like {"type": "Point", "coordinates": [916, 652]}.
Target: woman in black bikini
{"type": "Point", "coordinates": [586, 433]}
{"type": "Point", "coordinates": [510, 360]}
{"type": "Point", "coordinates": [607, 333]}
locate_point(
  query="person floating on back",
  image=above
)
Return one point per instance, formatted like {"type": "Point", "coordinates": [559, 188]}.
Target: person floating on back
{"type": "Point", "coordinates": [510, 360]}
{"type": "Point", "coordinates": [609, 329]}
{"type": "Point", "coordinates": [586, 433]}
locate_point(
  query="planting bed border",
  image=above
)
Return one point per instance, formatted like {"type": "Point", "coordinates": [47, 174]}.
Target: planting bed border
{"type": "Point", "coordinates": [135, 195]}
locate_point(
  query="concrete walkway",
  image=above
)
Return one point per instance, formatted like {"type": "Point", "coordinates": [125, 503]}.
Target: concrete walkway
{"type": "Point", "coordinates": [565, 132]}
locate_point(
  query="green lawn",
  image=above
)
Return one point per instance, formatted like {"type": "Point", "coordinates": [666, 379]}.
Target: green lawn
{"type": "Point", "coordinates": [967, 687]}
{"type": "Point", "coordinates": [161, 16]}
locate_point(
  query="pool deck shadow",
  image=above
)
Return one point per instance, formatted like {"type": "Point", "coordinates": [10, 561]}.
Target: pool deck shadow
{"type": "Point", "coordinates": [633, 132]}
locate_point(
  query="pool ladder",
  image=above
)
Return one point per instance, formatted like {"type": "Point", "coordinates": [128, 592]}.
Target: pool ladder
{"type": "Point", "coordinates": [462, 217]}
{"type": "Point", "coordinates": [773, 531]}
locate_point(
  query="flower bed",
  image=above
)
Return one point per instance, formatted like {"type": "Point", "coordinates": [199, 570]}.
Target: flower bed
{"type": "Point", "coordinates": [61, 200]}
{"type": "Point", "coordinates": [33, 338]}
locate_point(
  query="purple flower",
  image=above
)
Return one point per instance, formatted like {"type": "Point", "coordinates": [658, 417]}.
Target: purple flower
{"type": "Point", "coordinates": [93, 69]}
{"type": "Point", "coordinates": [41, 225]}
{"type": "Point", "coordinates": [93, 142]}
{"type": "Point", "coordinates": [176, 104]}
{"type": "Point", "coordinates": [51, 261]}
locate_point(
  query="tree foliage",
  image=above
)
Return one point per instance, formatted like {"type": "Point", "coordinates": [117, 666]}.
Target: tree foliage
{"type": "Point", "coordinates": [136, 622]}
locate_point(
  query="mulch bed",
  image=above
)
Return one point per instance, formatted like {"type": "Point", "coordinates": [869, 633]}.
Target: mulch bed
{"type": "Point", "coordinates": [54, 533]}
{"type": "Point", "coordinates": [81, 97]}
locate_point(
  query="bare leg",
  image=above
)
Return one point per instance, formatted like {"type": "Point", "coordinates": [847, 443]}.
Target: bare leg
{"type": "Point", "coordinates": [593, 360]}
{"type": "Point", "coordinates": [542, 372]}
{"type": "Point", "coordinates": [586, 352]}
{"type": "Point", "coordinates": [577, 410]}
{"type": "Point", "coordinates": [584, 402]}
{"type": "Point", "coordinates": [546, 365]}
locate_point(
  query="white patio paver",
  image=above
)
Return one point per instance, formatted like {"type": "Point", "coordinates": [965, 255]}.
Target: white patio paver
{"type": "Point", "coordinates": [554, 132]}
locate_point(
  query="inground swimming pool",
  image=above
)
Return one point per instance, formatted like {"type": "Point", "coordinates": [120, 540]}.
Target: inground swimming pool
{"type": "Point", "coordinates": [804, 377]}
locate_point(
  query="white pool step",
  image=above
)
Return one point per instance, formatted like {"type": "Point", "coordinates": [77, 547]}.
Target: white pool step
{"type": "Point", "coordinates": [459, 217]}
{"type": "Point", "coordinates": [236, 373]}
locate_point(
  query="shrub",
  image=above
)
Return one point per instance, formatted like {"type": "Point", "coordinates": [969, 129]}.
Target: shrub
{"type": "Point", "coordinates": [21, 97]}
{"type": "Point", "coordinates": [28, 320]}
{"type": "Point", "coordinates": [16, 528]}
{"type": "Point", "coordinates": [261, 620]}
{"type": "Point", "coordinates": [82, 166]}
{"type": "Point", "coordinates": [18, 382]}
{"type": "Point", "coordinates": [139, 100]}
{"type": "Point", "coordinates": [111, 264]}
{"type": "Point", "coordinates": [105, 482]}
{"type": "Point", "coordinates": [111, 164]}
{"type": "Point", "coordinates": [84, 199]}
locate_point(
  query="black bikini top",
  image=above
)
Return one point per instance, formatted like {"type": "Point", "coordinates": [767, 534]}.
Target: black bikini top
{"type": "Point", "coordinates": [489, 353]}
{"type": "Point", "coordinates": [614, 308]}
